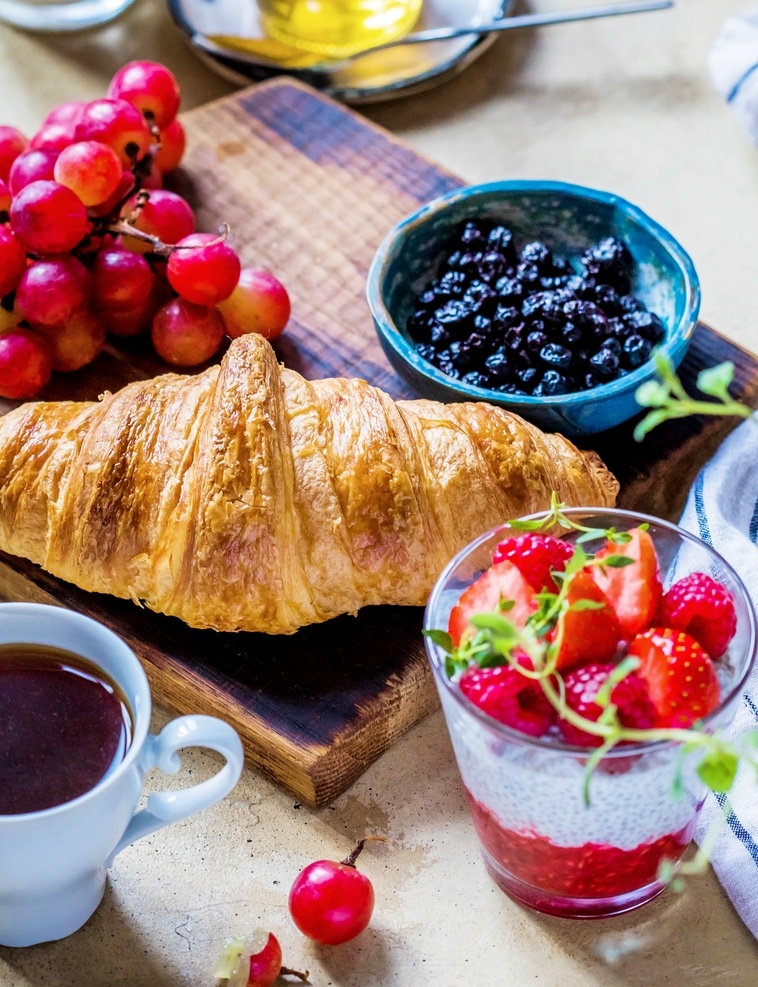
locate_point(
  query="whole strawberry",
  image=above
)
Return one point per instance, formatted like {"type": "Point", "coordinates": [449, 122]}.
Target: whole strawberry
{"type": "Point", "coordinates": [535, 555]}
{"type": "Point", "coordinates": [703, 608]}
{"type": "Point", "coordinates": [509, 697]}
{"type": "Point", "coordinates": [630, 696]}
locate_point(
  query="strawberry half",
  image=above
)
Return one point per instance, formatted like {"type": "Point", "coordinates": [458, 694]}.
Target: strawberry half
{"type": "Point", "coordinates": [679, 675]}
{"type": "Point", "coordinates": [634, 591]}
{"type": "Point", "coordinates": [588, 635]}
{"type": "Point", "coordinates": [502, 581]}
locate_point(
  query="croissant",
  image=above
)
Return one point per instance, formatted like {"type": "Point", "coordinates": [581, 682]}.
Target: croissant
{"type": "Point", "coordinates": [248, 498]}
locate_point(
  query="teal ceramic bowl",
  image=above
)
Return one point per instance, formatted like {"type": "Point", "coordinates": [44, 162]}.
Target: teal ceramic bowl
{"type": "Point", "coordinates": [568, 218]}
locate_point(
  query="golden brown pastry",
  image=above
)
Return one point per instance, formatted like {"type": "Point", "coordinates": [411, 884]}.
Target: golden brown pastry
{"type": "Point", "coordinates": [247, 498]}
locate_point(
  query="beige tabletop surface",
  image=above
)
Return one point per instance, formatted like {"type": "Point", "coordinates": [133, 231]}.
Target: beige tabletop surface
{"type": "Point", "coordinates": [625, 105]}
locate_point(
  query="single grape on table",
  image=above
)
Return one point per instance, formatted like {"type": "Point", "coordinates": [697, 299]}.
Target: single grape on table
{"type": "Point", "coordinates": [92, 245]}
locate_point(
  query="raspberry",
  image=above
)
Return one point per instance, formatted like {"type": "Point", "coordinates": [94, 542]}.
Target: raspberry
{"type": "Point", "coordinates": [630, 696]}
{"type": "Point", "coordinates": [534, 556]}
{"type": "Point", "coordinates": [508, 697]}
{"type": "Point", "coordinates": [703, 608]}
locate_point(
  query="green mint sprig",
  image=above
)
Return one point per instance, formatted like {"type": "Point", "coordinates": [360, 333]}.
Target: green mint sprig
{"type": "Point", "coordinates": [668, 398]}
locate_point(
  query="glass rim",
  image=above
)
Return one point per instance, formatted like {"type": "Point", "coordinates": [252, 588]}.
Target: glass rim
{"type": "Point", "coordinates": [558, 746]}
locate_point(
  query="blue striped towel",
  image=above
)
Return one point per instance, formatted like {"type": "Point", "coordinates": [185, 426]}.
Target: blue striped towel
{"type": "Point", "coordinates": [733, 64]}
{"type": "Point", "coordinates": [722, 509]}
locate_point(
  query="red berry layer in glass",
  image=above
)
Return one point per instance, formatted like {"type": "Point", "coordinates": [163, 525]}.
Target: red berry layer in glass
{"type": "Point", "coordinates": [588, 871]}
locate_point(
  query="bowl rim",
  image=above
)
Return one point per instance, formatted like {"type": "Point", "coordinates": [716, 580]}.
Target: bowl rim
{"type": "Point", "coordinates": [561, 747]}
{"type": "Point", "coordinates": [673, 347]}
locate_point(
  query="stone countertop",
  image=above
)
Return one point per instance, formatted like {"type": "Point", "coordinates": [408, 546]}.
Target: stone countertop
{"type": "Point", "coordinates": [622, 104]}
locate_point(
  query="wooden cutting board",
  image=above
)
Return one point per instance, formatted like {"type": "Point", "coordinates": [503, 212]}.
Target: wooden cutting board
{"type": "Point", "coordinates": [310, 189]}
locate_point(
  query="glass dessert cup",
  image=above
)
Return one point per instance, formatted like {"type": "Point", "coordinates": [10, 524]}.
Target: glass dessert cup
{"type": "Point", "coordinates": [543, 845]}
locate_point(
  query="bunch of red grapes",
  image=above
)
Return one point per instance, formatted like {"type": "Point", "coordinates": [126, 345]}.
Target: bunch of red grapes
{"type": "Point", "coordinates": [91, 243]}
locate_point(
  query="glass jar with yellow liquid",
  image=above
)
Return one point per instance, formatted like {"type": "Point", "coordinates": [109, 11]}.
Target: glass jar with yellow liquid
{"type": "Point", "coordinates": [337, 27]}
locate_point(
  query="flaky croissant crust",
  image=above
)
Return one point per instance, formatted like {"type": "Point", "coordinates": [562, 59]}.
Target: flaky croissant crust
{"type": "Point", "coordinates": [247, 498]}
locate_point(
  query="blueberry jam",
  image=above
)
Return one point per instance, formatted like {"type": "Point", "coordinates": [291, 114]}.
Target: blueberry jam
{"type": "Point", "coordinates": [525, 322]}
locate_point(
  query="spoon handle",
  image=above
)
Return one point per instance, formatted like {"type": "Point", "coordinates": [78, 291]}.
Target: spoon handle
{"type": "Point", "coordinates": [530, 20]}
{"type": "Point", "coordinates": [240, 49]}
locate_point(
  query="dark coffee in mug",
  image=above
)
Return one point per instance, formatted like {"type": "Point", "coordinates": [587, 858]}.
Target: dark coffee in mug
{"type": "Point", "coordinates": [63, 726]}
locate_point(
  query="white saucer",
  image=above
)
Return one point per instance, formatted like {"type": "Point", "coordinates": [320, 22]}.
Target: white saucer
{"type": "Point", "coordinates": [384, 75]}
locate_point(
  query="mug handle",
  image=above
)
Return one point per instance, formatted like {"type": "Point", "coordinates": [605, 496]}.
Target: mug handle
{"type": "Point", "coordinates": [160, 751]}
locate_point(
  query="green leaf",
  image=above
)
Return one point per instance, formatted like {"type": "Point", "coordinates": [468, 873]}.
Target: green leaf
{"type": "Point", "coordinates": [621, 537]}
{"type": "Point", "coordinates": [494, 657]}
{"type": "Point", "coordinates": [577, 561]}
{"type": "Point", "coordinates": [505, 605]}
{"type": "Point", "coordinates": [651, 394]}
{"type": "Point", "coordinates": [441, 638]}
{"type": "Point", "coordinates": [718, 769]}
{"type": "Point", "coordinates": [533, 525]}
{"type": "Point", "coordinates": [495, 623]}
{"type": "Point", "coordinates": [593, 534]}
{"type": "Point", "coordinates": [580, 605]}
{"type": "Point", "coordinates": [716, 381]}
{"type": "Point", "coordinates": [617, 561]}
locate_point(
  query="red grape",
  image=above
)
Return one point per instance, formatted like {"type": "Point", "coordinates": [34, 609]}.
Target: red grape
{"type": "Point", "coordinates": [66, 113]}
{"type": "Point", "coordinates": [12, 260]}
{"type": "Point", "coordinates": [150, 87]}
{"type": "Point", "coordinates": [203, 269]}
{"type": "Point", "coordinates": [25, 364]}
{"type": "Point", "coordinates": [52, 137]}
{"type": "Point", "coordinates": [259, 303]}
{"type": "Point", "coordinates": [32, 166]}
{"type": "Point", "coordinates": [121, 279]}
{"type": "Point", "coordinates": [117, 124]}
{"type": "Point", "coordinates": [166, 215]}
{"type": "Point", "coordinates": [91, 170]}
{"type": "Point", "coordinates": [51, 290]}
{"type": "Point", "coordinates": [173, 142]}
{"type": "Point", "coordinates": [330, 902]}
{"type": "Point", "coordinates": [76, 342]}
{"type": "Point", "coordinates": [136, 320]}
{"type": "Point", "coordinates": [5, 197]}
{"type": "Point", "coordinates": [48, 218]}
{"type": "Point", "coordinates": [186, 334]}
{"type": "Point", "coordinates": [125, 186]}
{"type": "Point", "coordinates": [154, 180]}
{"type": "Point", "coordinates": [12, 143]}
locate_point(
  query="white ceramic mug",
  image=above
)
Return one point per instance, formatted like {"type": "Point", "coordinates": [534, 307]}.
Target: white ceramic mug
{"type": "Point", "coordinates": [53, 862]}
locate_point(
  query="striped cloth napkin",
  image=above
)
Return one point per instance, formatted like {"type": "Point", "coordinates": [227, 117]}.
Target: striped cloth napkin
{"type": "Point", "coordinates": [722, 510]}
{"type": "Point", "coordinates": [733, 64]}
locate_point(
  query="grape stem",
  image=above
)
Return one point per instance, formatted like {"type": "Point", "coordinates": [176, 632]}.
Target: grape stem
{"type": "Point", "coordinates": [161, 249]}
{"type": "Point", "coordinates": [125, 228]}
{"type": "Point", "coordinates": [349, 861]}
